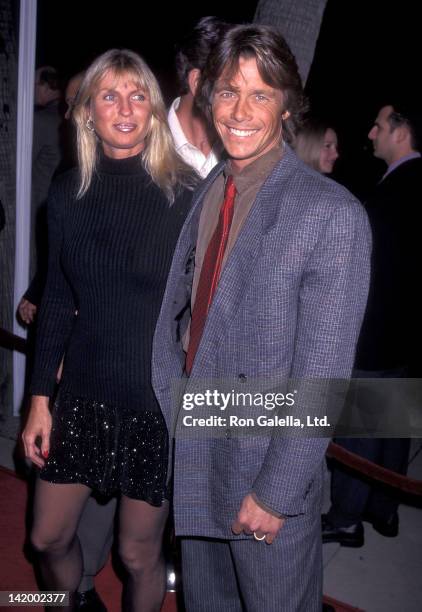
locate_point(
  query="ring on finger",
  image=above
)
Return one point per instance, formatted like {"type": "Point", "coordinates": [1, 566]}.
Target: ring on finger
{"type": "Point", "coordinates": [259, 538]}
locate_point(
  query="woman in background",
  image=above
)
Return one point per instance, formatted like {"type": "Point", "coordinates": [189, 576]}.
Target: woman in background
{"type": "Point", "coordinates": [317, 145]}
{"type": "Point", "coordinates": [113, 226]}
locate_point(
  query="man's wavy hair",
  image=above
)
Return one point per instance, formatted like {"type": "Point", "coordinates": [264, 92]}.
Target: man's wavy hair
{"type": "Point", "coordinates": [276, 64]}
{"type": "Point", "coordinates": [193, 50]}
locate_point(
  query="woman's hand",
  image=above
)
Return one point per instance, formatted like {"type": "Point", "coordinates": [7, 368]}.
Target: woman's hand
{"type": "Point", "coordinates": [27, 311]}
{"type": "Point", "coordinates": [38, 425]}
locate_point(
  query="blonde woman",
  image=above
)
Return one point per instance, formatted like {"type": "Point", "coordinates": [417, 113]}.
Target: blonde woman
{"type": "Point", "coordinates": [113, 226]}
{"type": "Point", "coordinates": [317, 145]}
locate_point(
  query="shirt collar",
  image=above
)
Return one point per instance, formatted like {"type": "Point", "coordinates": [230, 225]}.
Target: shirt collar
{"type": "Point", "coordinates": [179, 137]}
{"type": "Point", "coordinates": [401, 161]}
{"type": "Point", "coordinates": [256, 171]}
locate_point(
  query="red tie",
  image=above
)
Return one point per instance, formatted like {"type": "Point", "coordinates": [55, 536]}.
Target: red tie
{"type": "Point", "coordinates": [210, 272]}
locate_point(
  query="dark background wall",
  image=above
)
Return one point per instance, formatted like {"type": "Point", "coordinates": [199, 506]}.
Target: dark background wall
{"type": "Point", "coordinates": [367, 51]}
{"type": "Point", "coordinates": [71, 35]}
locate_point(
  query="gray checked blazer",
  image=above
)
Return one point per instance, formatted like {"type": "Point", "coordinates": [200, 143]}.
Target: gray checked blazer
{"type": "Point", "coordinates": [289, 303]}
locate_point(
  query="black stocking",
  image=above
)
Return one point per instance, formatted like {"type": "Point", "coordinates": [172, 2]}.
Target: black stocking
{"type": "Point", "coordinates": [57, 508]}
{"type": "Point", "coordinates": [141, 550]}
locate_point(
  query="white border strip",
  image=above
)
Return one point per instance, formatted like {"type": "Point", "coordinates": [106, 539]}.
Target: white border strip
{"type": "Point", "coordinates": [25, 112]}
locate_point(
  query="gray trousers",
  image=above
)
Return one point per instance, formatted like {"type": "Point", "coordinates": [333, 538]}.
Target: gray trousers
{"type": "Point", "coordinates": [245, 575]}
{"type": "Point", "coordinates": [95, 533]}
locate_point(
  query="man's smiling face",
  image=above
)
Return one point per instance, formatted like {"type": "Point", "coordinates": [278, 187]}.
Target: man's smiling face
{"type": "Point", "coordinates": [247, 113]}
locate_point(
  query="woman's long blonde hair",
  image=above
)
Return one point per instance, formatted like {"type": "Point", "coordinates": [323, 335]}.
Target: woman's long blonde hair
{"type": "Point", "coordinates": [159, 155]}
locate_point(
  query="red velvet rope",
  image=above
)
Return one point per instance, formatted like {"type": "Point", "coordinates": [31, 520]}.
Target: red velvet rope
{"type": "Point", "coordinates": [11, 341]}
{"type": "Point", "coordinates": [377, 472]}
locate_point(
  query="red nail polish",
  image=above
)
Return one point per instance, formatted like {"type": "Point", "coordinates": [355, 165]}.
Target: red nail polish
{"type": "Point", "coordinates": [45, 454]}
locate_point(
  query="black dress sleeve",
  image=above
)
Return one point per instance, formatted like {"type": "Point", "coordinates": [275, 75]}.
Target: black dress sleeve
{"type": "Point", "coordinates": [57, 311]}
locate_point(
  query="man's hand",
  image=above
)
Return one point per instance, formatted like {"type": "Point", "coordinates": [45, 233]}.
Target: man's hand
{"type": "Point", "coordinates": [251, 518]}
{"type": "Point", "coordinates": [38, 426]}
{"type": "Point", "coordinates": [27, 311]}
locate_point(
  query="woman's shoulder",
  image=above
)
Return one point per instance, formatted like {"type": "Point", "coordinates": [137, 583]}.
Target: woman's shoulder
{"type": "Point", "coordinates": [182, 200]}
{"type": "Point", "coordinates": [65, 185]}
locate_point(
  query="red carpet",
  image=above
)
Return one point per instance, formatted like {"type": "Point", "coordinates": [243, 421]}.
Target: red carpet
{"type": "Point", "coordinates": [16, 573]}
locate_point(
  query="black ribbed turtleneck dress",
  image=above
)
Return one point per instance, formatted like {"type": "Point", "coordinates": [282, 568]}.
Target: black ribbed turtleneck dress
{"type": "Point", "coordinates": [109, 257]}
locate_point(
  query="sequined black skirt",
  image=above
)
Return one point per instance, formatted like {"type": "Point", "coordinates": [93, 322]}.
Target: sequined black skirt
{"type": "Point", "coordinates": [108, 448]}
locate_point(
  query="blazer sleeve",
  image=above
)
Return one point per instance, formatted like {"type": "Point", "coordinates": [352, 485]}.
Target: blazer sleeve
{"type": "Point", "coordinates": [57, 311]}
{"type": "Point", "coordinates": [332, 300]}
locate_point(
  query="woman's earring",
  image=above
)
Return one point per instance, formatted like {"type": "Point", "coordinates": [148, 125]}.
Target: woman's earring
{"type": "Point", "coordinates": [285, 115]}
{"type": "Point", "coordinates": [90, 124]}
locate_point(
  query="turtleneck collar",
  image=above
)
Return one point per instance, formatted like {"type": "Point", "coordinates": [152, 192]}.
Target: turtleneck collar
{"type": "Point", "coordinates": [127, 165]}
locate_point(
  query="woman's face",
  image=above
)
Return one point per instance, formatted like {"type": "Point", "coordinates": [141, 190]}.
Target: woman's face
{"type": "Point", "coordinates": [121, 113]}
{"type": "Point", "coordinates": [329, 152]}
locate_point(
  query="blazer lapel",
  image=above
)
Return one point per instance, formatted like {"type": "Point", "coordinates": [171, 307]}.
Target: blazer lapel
{"type": "Point", "coordinates": [238, 271]}
{"type": "Point", "coordinates": [188, 236]}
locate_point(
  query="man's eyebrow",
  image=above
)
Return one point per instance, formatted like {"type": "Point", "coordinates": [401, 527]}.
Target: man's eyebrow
{"type": "Point", "coordinates": [225, 85]}
{"type": "Point", "coordinates": [270, 93]}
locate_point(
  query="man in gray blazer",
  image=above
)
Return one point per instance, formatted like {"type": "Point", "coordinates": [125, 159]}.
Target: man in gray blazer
{"type": "Point", "coordinates": [269, 281]}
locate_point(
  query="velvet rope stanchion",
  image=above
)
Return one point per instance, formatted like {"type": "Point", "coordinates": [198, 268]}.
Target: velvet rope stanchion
{"type": "Point", "coordinates": [374, 471]}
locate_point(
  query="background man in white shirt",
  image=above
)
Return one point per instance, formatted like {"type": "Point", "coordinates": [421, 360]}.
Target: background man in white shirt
{"type": "Point", "coordinates": [195, 140]}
